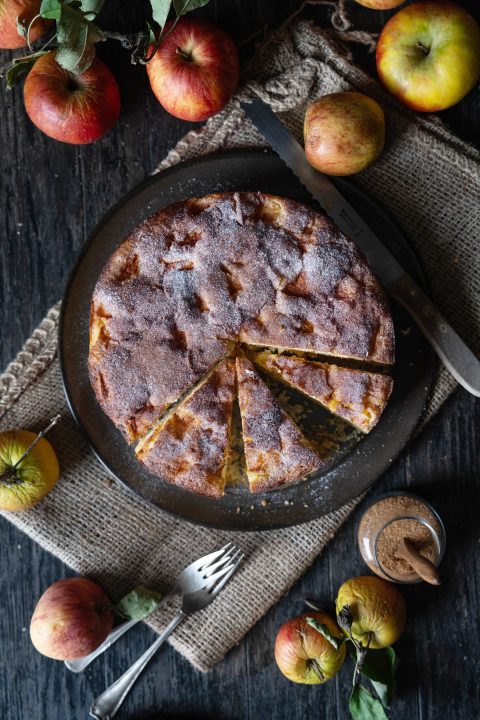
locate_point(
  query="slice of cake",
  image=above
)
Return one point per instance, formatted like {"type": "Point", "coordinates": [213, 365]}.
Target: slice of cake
{"type": "Point", "coordinates": [189, 447]}
{"type": "Point", "coordinates": [276, 452]}
{"type": "Point", "coordinates": [357, 396]}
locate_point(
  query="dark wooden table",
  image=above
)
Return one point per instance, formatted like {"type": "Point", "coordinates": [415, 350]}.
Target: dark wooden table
{"type": "Point", "coordinates": [51, 196]}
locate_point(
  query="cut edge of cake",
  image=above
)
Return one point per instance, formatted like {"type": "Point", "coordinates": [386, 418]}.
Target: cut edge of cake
{"type": "Point", "coordinates": [318, 382]}
{"type": "Point", "coordinates": [270, 468]}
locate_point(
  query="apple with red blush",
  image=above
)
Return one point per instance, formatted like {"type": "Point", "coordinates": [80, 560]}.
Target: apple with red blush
{"type": "Point", "coordinates": [76, 109]}
{"type": "Point", "coordinates": [23, 12]}
{"type": "Point", "coordinates": [195, 70]}
{"type": "Point", "coordinates": [428, 55]}
{"type": "Point", "coordinates": [72, 618]}
{"type": "Point", "coordinates": [303, 654]}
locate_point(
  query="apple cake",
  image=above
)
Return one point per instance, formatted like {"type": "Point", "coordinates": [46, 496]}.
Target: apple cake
{"type": "Point", "coordinates": [206, 275]}
{"type": "Point", "coordinates": [276, 451]}
{"type": "Point", "coordinates": [357, 396]}
{"type": "Point", "coordinates": [190, 445]}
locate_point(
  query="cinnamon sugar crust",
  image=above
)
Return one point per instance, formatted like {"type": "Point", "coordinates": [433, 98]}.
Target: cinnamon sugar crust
{"type": "Point", "coordinates": [357, 396]}
{"type": "Point", "coordinates": [276, 451]}
{"type": "Point", "coordinates": [205, 273]}
{"type": "Point", "coordinates": [190, 447]}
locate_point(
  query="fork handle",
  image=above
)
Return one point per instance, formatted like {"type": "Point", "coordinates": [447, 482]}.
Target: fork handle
{"type": "Point", "coordinates": [80, 664]}
{"type": "Point", "coordinates": [106, 706]}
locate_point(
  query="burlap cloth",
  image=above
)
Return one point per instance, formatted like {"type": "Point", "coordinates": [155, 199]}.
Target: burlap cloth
{"type": "Point", "coordinates": [428, 180]}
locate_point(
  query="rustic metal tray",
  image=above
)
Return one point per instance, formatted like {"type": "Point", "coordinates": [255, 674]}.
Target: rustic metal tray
{"type": "Point", "coordinates": [355, 461]}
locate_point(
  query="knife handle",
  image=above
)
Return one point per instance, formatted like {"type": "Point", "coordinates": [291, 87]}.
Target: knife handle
{"type": "Point", "coordinates": [452, 351]}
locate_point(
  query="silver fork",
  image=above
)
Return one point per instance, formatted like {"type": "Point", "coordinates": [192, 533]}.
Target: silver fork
{"type": "Point", "coordinates": [191, 578]}
{"type": "Point", "coordinates": [106, 706]}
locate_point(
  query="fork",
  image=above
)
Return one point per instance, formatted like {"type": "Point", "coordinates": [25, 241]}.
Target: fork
{"type": "Point", "coordinates": [191, 578]}
{"type": "Point", "coordinates": [107, 704]}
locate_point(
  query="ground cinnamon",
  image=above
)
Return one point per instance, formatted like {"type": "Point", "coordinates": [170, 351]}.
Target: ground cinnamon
{"type": "Point", "coordinates": [390, 519]}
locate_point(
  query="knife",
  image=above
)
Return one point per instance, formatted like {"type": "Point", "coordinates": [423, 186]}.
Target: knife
{"type": "Point", "coordinates": [452, 351]}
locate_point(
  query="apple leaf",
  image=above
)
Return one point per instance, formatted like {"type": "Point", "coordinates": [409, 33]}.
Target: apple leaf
{"type": "Point", "coordinates": [379, 666]}
{"type": "Point", "coordinates": [21, 28]}
{"type": "Point", "coordinates": [22, 66]}
{"type": "Point", "coordinates": [160, 10]}
{"type": "Point", "coordinates": [182, 7]}
{"type": "Point", "coordinates": [364, 706]}
{"type": "Point", "coordinates": [76, 38]}
{"type": "Point", "coordinates": [139, 603]}
{"type": "Point", "coordinates": [91, 8]}
{"type": "Point", "coordinates": [337, 642]}
{"type": "Point", "coordinates": [51, 9]}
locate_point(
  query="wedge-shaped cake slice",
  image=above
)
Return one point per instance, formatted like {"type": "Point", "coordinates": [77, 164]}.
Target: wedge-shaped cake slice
{"type": "Point", "coordinates": [276, 452]}
{"type": "Point", "coordinates": [189, 447]}
{"type": "Point", "coordinates": [357, 396]}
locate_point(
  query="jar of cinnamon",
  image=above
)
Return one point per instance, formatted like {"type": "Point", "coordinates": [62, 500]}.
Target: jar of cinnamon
{"type": "Point", "coordinates": [402, 538]}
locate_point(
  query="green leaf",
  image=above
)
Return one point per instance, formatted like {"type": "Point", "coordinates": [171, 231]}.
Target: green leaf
{"type": "Point", "coordinates": [380, 666]}
{"type": "Point", "coordinates": [91, 8]}
{"type": "Point", "coordinates": [337, 642]}
{"type": "Point", "coordinates": [160, 10]}
{"type": "Point", "coordinates": [51, 9]}
{"type": "Point", "coordinates": [139, 603]}
{"type": "Point", "coordinates": [76, 38]}
{"type": "Point", "coordinates": [21, 66]}
{"type": "Point", "coordinates": [363, 706]}
{"type": "Point", "coordinates": [182, 7]}
{"type": "Point", "coordinates": [21, 28]}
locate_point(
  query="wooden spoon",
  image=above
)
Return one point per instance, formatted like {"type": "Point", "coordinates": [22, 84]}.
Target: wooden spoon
{"type": "Point", "coordinates": [423, 567]}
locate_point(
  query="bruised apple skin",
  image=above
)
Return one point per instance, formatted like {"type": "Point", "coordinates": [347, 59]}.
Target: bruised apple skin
{"type": "Point", "coordinates": [195, 70]}
{"type": "Point", "coordinates": [25, 11]}
{"type": "Point", "coordinates": [344, 133]}
{"type": "Point", "coordinates": [71, 619]}
{"type": "Point", "coordinates": [378, 610]}
{"type": "Point", "coordinates": [76, 109]}
{"type": "Point", "coordinates": [35, 475]}
{"type": "Point", "coordinates": [303, 655]}
{"type": "Point", "coordinates": [428, 55]}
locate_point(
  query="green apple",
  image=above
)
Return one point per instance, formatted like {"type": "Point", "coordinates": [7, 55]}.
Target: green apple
{"type": "Point", "coordinates": [35, 475]}
{"type": "Point", "coordinates": [377, 608]}
{"type": "Point", "coordinates": [344, 133]}
{"type": "Point", "coordinates": [302, 653]}
{"type": "Point", "coordinates": [428, 55]}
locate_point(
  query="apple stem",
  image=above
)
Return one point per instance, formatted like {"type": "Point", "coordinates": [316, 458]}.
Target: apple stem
{"type": "Point", "coordinates": [11, 472]}
{"type": "Point", "coordinates": [423, 47]}
{"type": "Point", "coordinates": [184, 55]}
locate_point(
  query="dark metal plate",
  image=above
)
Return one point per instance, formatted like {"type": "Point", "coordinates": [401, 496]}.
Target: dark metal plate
{"type": "Point", "coordinates": [354, 468]}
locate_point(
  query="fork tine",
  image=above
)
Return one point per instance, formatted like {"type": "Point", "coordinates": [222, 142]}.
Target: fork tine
{"type": "Point", "coordinates": [207, 559]}
{"type": "Point", "coordinates": [229, 574]}
{"type": "Point", "coordinates": [218, 564]}
{"type": "Point", "coordinates": [212, 580]}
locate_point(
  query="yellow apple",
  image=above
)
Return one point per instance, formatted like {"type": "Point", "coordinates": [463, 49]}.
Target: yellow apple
{"type": "Point", "coordinates": [34, 477]}
{"type": "Point", "coordinates": [380, 4]}
{"type": "Point", "coordinates": [344, 133]}
{"type": "Point", "coordinates": [378, 610]}
{"type": "Point", "coordinates": [428, 55]}
{"type": "Point", "coordinates": [303, 655]}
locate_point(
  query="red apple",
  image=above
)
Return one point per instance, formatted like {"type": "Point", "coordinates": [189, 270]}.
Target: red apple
{"type": "Point", "coordinates": [428, 55]}
{"type": "Point", "coordinates": [304, 655]}
{"type": "Point", "coordinates": [25, 11]}
{"type": "Point", "coordinates": [75, 109]}
{"type": "Point", "coordinates": [380, 4]}
{"type": "Point", "coordinates": [71, 619]}
{"type": "Point", "coordinates": [195, 70]}
{"type": "Point", "coordinates": [344, 133]}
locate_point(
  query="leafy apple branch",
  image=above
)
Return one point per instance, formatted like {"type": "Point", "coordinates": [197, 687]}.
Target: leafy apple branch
{"type": "Point", "coordinates": [77, 33]}
{"type": "Point", "coordinates": [377, 665]}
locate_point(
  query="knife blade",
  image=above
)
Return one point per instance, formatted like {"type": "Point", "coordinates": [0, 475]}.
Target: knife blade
{"type": "Point", "coordinates": [451, 349]}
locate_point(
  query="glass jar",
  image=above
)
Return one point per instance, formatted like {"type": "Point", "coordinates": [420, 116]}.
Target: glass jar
{"type": "Point", "coordinates": [386, 521]}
